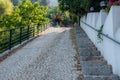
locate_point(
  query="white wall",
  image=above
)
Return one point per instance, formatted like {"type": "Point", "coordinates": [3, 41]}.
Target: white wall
{"type": "Point", "coordinates": [117, 50]}
{"type": "Point", "coordinates": [116, 19]}
{"type": "Point", "coordinates": [91, 19]}
{"type": "Point", "coordinates": [111, 26]}
{"type": "Point", "coordinates": [101, 20]}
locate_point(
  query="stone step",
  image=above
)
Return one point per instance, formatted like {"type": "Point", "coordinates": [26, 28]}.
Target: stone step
{"type": "Point", "coordinates": [102, 77]}
{"type": "Point", "coordinates": [92, 63]}
{"type": "Point", "coordinates": [78, 32]}
{"type": "Point", "coordinates": [78, 29]}
{"type": "Point", "coordinates": [95, 53]}
{"type": "Point", "coordinates": [82, 46]}
{"type": "Point", "coordinates": [97, 70]}
{"type": "Point", "coordinates": [91, 58]}
{"type": "Point", "coordinates": [82, 42]}
{"type": "Point", "coordinates": [81, 39]}
{"type": "Point", "coordinates": [87, 52]}
{"type": "Point", "coordinates": [81, 35]}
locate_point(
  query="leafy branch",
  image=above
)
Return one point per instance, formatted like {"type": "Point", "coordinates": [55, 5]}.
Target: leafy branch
{"type": "Point", "coordinates": [100, 37]}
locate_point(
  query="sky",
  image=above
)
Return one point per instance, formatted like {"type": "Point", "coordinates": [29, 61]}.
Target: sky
{"type": "Point", "coordinates": [53, 2]}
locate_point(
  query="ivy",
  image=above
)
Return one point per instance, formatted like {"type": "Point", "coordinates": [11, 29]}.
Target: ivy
{"type": "Point", "coordinates": [100, 37]}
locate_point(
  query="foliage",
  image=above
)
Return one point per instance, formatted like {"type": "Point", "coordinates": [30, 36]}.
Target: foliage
{"type": "Point", "coordinates": [56, 15]}
{"type": "Point", "coordinates": [79, 7]}
{"type": "Point", "coordinates": [107, 9]}
{"type": "Point", "coordinates": [113, 2]}
{"type": "Point", "coordinates": [72, 6]}
{"type": "Point", "coordinates": [4, 9]}
{"type": "Point", "coordinates": [66, 16]}
{"type": "Point", "coordinates": [9, 21]}
{"type": "Point", "coordinates": [76, 8]}
{"type": "Point", "coordinates": [52, 11]}
{"type": "Point", "coordinates": [31, 13]}
{"type": "Point", "coordinates": [39, 12]}
{"type": "Point", "coordinates": [99, 33]}
{"type": "Point", "coordinates": [95, 4]}
{"type": "Point", "coordinates": [24, 14]}
{"type": "Point", "coordinates": [23, 23]}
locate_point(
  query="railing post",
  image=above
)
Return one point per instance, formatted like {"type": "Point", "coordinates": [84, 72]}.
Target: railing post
{"type": "Point", "coordinates": [28, 31]}
{"type": "Point", "coordinates": [48, 25]}
{"type": "Point", "coordinates": [10, 39]}
{"type": "Point", "coordinates": [20, 35]}
{"type": "Point", "coordinates": [44, 27]}
{"type": "Point", "coordinates": [41, 27]}
{"type": "Point", "coordinates": [37, 29]}
{"type": "Point", "coordinates": [33, 31]}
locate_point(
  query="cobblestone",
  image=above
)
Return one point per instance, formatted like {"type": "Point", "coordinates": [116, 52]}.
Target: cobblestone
{"type": "Point", "coordinates": [49, 57]}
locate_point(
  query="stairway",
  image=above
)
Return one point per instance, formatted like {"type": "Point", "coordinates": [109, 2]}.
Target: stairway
{"type": "Point", "coordinates": [94, 66]}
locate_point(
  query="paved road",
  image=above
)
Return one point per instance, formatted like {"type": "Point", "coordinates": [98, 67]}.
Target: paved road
{"type": "Point", "coordinates": [49, 57]}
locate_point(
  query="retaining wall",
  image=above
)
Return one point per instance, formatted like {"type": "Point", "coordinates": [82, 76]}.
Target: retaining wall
{"type": "Point", "coordinates": [111, 26]}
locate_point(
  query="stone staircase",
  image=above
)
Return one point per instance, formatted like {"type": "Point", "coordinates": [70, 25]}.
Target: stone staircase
{"type": "Point", "coordinates": [94, 66]}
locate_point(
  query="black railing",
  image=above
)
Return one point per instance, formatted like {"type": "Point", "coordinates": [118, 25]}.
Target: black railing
{"type": "Point", "coordinates": [105, 35]}
{"type": "Point", "coordinates": [13, 37]}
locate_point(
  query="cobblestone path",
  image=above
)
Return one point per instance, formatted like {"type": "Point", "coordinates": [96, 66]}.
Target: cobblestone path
{"type": "Point", "coordinates": [49, 57]}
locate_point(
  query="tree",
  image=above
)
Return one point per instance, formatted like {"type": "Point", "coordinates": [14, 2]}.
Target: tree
{"type": "Point", "coordinates": [52, 11]}
{"type": "Point", "coordinates": [79, 7]}
{"type": "Point", "coordinates": [95, 4]}
{"type": "Point", "coordinates": [31, 12]}
{"type": "Point", "coordinates": [73, 6]}
{"type": "Point", "coordinates": [25, 14]}
{"type": "Point", "coordinates": [38, 14]}
{"type": "Point", "coordinates": [4, 9]}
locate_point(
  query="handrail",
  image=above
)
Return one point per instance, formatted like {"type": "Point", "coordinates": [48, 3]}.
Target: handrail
{"type": "Point", "coordinates": [14, 28]}
{"type": "Point", "coordinates": [105, 35]}
{"type": "Point", "coordinates": [11, 37]}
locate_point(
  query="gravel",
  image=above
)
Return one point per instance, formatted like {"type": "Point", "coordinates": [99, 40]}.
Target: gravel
{"type": "Point", "coordinates": [48, 57]}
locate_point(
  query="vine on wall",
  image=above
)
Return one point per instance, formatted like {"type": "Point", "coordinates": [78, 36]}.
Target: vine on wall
{"type": "Point", "coordinates": [100, 37]}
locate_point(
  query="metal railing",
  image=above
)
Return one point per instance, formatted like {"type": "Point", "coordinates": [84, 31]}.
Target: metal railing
{"type": "Point", "coordinates": [105, 35]}
{"type": "Point", "coordinates": [12, 37]}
